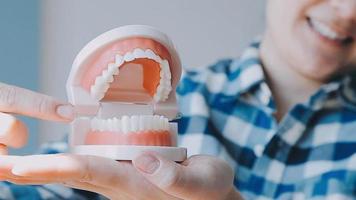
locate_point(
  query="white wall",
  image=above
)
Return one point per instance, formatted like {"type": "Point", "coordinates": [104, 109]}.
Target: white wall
{"type": "Point", "coordinates": [203, 31]}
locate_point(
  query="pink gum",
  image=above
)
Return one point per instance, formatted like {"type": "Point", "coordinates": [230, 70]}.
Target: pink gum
{"type": "Point", "coordinates": [147, 138]}
{"type": "Point", "coordinates": [101, 60]}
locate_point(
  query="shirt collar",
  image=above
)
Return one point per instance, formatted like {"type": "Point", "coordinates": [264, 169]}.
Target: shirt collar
{"type": "Point", "coordinates": [246, 73]}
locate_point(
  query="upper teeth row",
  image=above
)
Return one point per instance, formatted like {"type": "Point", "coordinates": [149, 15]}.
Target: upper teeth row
{"type": "Point", "coordinates": [131, 124]}
{"type": "Point", "coordinates": [326, 31]}
{"type": "Point", "coordinates": [102, 82]}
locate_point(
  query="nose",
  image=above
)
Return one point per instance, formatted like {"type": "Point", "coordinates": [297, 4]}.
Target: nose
{"type": "Point", "coordinates": [345, 9]}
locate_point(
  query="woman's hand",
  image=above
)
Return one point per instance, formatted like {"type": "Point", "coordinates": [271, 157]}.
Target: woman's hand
{"type": "Point", "coordinates": [14, 100]}
{"type": "Point", "coordinates": [149, 176]}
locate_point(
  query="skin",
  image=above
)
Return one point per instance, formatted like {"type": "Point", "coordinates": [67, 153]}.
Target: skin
{"type": "Point", "coordinates": [297, 61]}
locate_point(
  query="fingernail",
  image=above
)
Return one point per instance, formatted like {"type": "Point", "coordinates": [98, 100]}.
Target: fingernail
{"type": "Point", "coordinates": [147, 163]}
{"type": "Point", "coordinates": [7, 122]}
{"type": "Point", "coordinates": [17, 171]}
{"type": "Point", "coordinates": [66, 111]}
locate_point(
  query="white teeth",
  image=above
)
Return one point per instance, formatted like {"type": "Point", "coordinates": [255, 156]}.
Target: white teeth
{"type": "Point", "coordinates": [139, 53]}
{"type": "Point", "coordinates": [119, 60]}
{"type": "Point", "coordinates": [131, 124]}
{"type": "Point", "coordinates": [135, 123]}
{"type": "Point", "coordinates": [151, 55]}
{"type": "Point", "coordinates": [125, 124]}
{"type": "Point", "coordinates": [129, 57]}
{"type": "Point", "coordinates": [113, 69]}
{"type": "Point", "coordinates": [164, 88]}
{"type": "Point", "coordinates": [325, 30]}
{"type": "Point", "coordinates": [102, 82]}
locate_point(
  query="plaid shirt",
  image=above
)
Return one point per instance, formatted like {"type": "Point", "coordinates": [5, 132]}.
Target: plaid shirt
{"type": "Point", "coordinates": [227, 111]}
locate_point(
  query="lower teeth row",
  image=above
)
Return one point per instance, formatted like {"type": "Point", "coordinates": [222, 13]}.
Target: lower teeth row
{"type": "Point", "coordinates": [127, 124]}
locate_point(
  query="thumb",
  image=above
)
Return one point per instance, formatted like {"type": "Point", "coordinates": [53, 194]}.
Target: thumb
{"type": "Point", "coordinates": [199, 177]}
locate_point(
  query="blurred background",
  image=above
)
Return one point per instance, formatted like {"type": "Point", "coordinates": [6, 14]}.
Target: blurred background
{"type": "Point", "coordinates": [40, 38]}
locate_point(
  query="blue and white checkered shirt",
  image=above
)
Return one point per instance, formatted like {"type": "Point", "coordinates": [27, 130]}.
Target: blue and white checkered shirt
{"type": "Point", "coordinates": [227, 111]}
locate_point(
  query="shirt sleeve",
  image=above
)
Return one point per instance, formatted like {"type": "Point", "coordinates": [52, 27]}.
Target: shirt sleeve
{"type": "Point", "coordinates": [197, 92]}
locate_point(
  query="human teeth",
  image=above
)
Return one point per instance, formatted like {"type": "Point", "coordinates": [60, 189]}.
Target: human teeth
{"type": "Point", "coordinates": [151, 55]}
{"type": "Point", "coordinates": [129, 57]}
{"type": "Point", "coordinates": [132, 124]}
{"type": "Point", "coordinates": [141, 123]}
{"type": "Point", "coordinates": [113, 69]}
{"type": "Point", "coordinates": [125, 124]}
{"type": "Point", "coordinates": [326, 31]}
{"type": "Point", "coordinates": [102, 82]}
{"type": "Point", "coordinates": [148, 122]}
{"type": "Point", "coordinates": [108, 76]}
{"type": "Point", "coordinates": [135, 123]}
{"type": "Point", "coordinates": [139, 53]}
{"type": "Point", "coordinates": [119, 60]}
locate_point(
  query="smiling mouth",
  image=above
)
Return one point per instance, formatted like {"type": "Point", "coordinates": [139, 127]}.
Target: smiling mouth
{"type": "Point", "coordinates": [328, 33]}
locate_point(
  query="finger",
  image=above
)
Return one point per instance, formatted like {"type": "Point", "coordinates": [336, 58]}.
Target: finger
{"type": "Point", "coordinates": [13, 132]}
{"type": "Point", "coordinates": [122, 177]}
{"type": "Point", "coordinates": [198, 176]}
{"type": "Point", "coordinates": [3, 149]}
{"type": "Point", "coordinates": [25, 102]}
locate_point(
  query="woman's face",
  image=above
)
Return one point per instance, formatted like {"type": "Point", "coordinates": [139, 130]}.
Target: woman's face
{"type": "Point", "coordinates": [316, 37]}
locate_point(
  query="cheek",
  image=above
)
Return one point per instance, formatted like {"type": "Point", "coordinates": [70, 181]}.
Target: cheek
{"type": "Point", "coordinates": [283, 21]}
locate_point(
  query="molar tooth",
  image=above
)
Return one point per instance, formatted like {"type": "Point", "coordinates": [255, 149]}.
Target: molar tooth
{"type": "Point", "coordinates": [162, 74]}
{"type": "Point", "coordinates": [119, 60]}
{"type": "Point", "coordinates": [168, 75]}
{"type": "Point", "coordinates": [157, 98]}
{"type": "Point", "coordinates": [139, 53]}
{"type": "Point", "coordinates": [160, 89]}
{"type": "Point", "coordinates": [158, 59]}
{"type": "Point", "coordinates": [161, 123]}
{"type": "Point", "coordinates": [165, 64]}
{"type": "Point", "coordinates": [150, 54]}
{"type": "Point", "coordinates": [165, 69]}
{"type": "Point", "coordinates": [129, 57]}
{"type": "Point", "coordinates": [166, 124]}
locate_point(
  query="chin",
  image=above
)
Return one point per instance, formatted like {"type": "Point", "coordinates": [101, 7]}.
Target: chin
{"type": "Point", "coordinates": [321, 71]}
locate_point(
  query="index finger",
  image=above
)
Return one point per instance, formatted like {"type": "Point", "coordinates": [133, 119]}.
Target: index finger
{"type": "Point", "coordinates": [25, 102]}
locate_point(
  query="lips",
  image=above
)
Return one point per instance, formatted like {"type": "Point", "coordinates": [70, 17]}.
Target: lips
{"type": "Point", "coordinates": [330, 33]}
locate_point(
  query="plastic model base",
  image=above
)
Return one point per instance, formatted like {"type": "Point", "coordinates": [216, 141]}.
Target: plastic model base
{"type": "Point", "coordinates": [129, 152]}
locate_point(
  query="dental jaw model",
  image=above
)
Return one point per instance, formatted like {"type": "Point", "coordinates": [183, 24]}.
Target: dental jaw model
{"type": "Point", "coordinates": [122, 85]}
